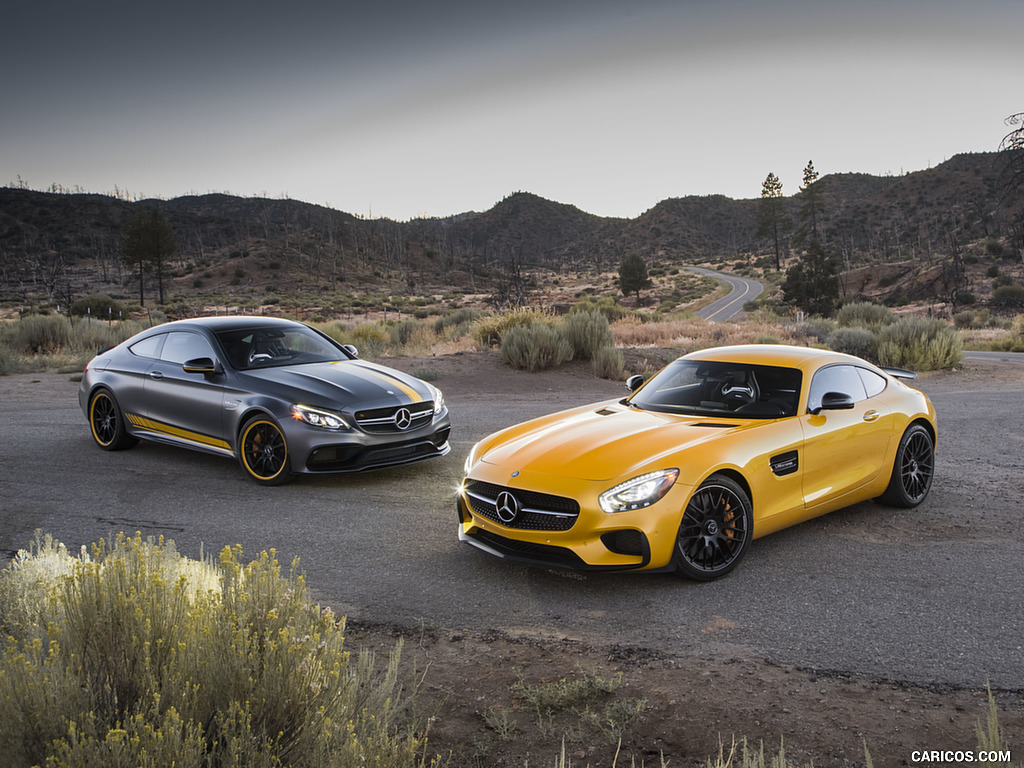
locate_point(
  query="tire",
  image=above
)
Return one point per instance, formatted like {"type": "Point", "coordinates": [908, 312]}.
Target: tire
{"type": "Point", "coordinates": [913, 469]}
{"type": "Point", "coordinates": [715, 531]}
{"type": "Point", "coordinates": [263, 451]}
{"type": "Point", "coordinates": [106, 421]}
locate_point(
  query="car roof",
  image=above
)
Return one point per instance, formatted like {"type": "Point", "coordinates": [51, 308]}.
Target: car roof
{"type": "Point", "coordinates": [774, 354]}
{"type": "Point", "coordinates": [229, 323]}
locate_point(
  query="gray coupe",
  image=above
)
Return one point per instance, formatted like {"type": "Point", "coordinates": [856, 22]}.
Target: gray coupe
{"type": "Point", "coordinates": [280, 396]}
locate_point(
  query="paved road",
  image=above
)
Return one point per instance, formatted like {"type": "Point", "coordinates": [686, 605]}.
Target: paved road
{"type": "Point", "coordinates": [743, 290]}
{"type": "Point", "coordinates": [928, 595]}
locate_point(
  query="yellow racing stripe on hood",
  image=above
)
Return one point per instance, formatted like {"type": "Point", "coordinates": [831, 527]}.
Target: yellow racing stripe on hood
{"type": "Point", "coordinates": [393, 381]}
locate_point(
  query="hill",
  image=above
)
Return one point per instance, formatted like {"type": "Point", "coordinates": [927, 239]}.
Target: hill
{"type": "Point", "coordinates": [56, 247]}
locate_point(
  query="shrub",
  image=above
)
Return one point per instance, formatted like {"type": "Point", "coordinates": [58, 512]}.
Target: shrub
{"type": "Point", "coordinates": [587, 332]}
{"type": "Point", "coordinates": [99, 306]}
{"type": "Point", "coordinates": [609, 363]}
{"type": "Point", "coordinates": [535, 348]}
{"type": "Point", "coordinates": [133, 655]}
{"type": "Point", "coordinates": [490, 330]}
{"type": "Point", "coordinates": [1009, 295]}
{"type": "Point", "coordinates": [919, 344]}
{"type": "Point", "coordinates": [864, 314]}
{"type": "Point", "coordinates": [854, 341]}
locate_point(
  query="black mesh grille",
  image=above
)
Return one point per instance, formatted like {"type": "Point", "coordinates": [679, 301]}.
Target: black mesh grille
{"type": "Point", "coordinates": [536, 511]}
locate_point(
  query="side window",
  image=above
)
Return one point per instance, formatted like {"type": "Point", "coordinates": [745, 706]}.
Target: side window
{"type": "Point", "coordinates": [149, 347]}
{"type": "Point", "coordinates": [873, 383]}
{"type": "Point", "coordinates": [181, 346]}
{"type": "Point", "coordinates": [836, 378]}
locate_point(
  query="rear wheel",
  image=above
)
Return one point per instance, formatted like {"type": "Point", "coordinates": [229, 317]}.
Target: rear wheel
{"type": "Point", "coordinates": [715, 531]}
{"type": "Point", "coordinates": [263, 452]}
{"type": "Point", "coordinates": [107, 422]}
{"type": "Point", "coordinates": [912, 470]}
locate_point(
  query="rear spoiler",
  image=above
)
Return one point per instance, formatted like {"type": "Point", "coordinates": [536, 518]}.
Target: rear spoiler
{"type": "Point", "coordinates": [900, 373]}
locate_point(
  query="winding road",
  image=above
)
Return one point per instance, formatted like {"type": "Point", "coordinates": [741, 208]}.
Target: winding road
{"type": "Point", "coordinates": [730, 305]}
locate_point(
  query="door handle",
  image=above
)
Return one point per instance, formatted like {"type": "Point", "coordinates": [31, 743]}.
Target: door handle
{"type": "Point", "coordinates": [871, 416]}
{"type": "Point", "coordinates": [156, 375]}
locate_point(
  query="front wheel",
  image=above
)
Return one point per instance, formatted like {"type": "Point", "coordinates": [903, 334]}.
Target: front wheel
{"type": "Point", "coordinates": [107, 422]}
{"type": "Point", "coordinates": [263, 452]}
{"type": "Point", "coordinates": [715, 531]}
{"type": "Point", "coordinates": [913, 469]}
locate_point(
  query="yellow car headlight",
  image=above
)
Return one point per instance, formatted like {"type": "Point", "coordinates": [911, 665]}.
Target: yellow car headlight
{"type": "Point", "coordinates": [638, 492]}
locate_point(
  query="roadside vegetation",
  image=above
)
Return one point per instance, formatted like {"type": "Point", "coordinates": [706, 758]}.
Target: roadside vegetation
{"type": "Point", "coordinates": [598, 332]}
{"type": "Point", "coordinates": [130, 654]}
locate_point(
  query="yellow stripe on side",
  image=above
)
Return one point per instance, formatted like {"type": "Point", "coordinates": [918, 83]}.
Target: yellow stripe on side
{"type": "Point", "coordinates": [166, 429]}
{"type": "Point", "coordinates": [391, 381]}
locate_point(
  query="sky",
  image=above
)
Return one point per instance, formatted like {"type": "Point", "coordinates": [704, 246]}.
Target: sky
{"type": "Point", "coordinates": [402, 110]}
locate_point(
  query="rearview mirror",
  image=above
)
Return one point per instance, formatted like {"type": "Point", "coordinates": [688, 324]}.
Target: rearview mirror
{"type": "Point", "coordinates": [633, 383]}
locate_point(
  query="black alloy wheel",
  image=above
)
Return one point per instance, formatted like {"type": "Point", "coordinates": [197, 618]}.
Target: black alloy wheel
{"type": "Point", "coordinates": [264, 452]}
{"type": "Point", "coordinates": [107, 422]}
{"type": "Point", "coordinates": [913, 469]}
{"type": "Point", "coordinates": [715, 531]}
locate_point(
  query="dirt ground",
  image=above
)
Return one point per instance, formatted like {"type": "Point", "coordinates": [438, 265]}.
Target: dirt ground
{"type": "Point", "coordinates": [494, 699]}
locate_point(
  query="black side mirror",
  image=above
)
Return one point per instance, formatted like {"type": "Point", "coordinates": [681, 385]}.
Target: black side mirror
{"type": "Point", "coordinates": [351, 350]}
{"type": "Point", "coordinates": [834, 401]}
{"type": "Point", "coordinates": [204, 365]}
{"type": "Point", "coordinates": [633, 383]}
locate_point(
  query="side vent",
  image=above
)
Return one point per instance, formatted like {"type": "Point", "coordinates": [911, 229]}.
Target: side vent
{"type": "Point", "coordinates": [785, 463]}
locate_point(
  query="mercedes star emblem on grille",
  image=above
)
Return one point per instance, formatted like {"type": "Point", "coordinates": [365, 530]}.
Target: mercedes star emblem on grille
{"type": "Point", "coordinates": [403, 419]}
{"type": "Point", "coordinates": [507, 507]}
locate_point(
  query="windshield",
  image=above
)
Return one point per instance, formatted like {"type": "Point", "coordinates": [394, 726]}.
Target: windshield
{"type": "Point", "coordinates": [250, 348]}
{"type": "Point", "coordinates": [705, 388]}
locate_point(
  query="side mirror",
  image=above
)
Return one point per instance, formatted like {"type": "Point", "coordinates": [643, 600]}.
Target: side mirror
{"type": "Point", "coordinates": [834, 401]}
{"type": "Point", "coordinates": [204, 365]}
{"type": "Point", "coordinates": [633, 383]}
{"type": "Point", "coordinates": [350, 349]}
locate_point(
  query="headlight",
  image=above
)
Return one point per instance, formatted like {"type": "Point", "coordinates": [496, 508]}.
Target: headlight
{"type": "Point", "coordinates": [639, 492]}
{"type": "Point", "coordinates": [438, 401]}
{"type": "Point", "coordinates": [319, 417]}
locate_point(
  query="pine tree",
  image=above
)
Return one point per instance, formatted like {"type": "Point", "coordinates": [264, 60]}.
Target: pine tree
{"type": "Point", "coordinates": [633, 276]}
{"type": "Point", "coordinates": [812, 208]}
{"type": "Point", "coordinates": [772, 220]}
{"type": "Point", "coordinates": [147, 240]}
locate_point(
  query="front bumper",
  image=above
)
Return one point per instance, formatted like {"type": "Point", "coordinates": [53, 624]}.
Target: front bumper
{"type": "Point", "coordinates": [594, 540]}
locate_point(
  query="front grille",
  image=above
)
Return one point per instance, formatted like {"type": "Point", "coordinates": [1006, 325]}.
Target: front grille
{"type": "Point", "coordinates": [392, 419]}
{"type": "Point", "coordinates": [532, 511]}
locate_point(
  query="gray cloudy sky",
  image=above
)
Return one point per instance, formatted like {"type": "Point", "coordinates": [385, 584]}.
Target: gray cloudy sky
{"type": "Point", "coordinates": [406, 109]}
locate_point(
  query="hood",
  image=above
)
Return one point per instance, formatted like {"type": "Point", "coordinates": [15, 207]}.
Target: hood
{"type": "Point", "coordinates": [346, 384]}
{"type": "Point", "coordinates": [600, 442]}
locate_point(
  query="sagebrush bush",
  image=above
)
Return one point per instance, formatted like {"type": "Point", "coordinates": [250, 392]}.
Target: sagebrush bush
{"type": "Point", "coordinates": [587, 332]}
{"type": "Point", "coordinates": [535, 348]}
{"type": "Point", "coordinates": [854, 341]}
{"type": "Point", "coordinates": [490, 330]}
{"type": "Point", "coordinates": [920, 344]}
{"type": "Point", "coordinates": [130, 655]}
{"type": "Point", "coordinates": [864, 314]}
{"type": "Point", "coordinates": [609, 363]}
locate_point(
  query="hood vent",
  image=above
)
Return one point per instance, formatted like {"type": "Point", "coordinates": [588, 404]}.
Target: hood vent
{"type": "Point", "coordinates": [714, 424]}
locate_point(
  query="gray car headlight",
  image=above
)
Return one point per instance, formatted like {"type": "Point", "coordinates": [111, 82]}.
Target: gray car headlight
{"type": "Point", "coordinates": [319, 417]}
{"type": "Point", "coordinates": [438, 400]}
{"type": "Point", "coordinates": [638, 492]}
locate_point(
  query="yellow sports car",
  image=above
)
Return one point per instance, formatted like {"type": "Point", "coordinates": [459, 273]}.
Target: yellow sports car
{"type": "Point", "coordinates": [722, 446]}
